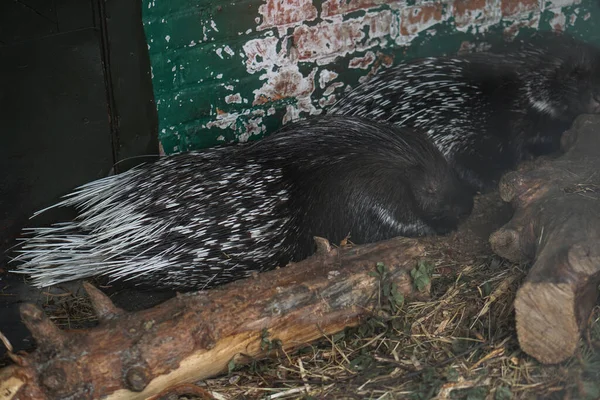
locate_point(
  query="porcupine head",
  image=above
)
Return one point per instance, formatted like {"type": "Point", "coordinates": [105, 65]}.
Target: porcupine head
{"type": "Point", "coordinates": [566, 83]}
{"type": "Point", "coordinates": [442, 198]}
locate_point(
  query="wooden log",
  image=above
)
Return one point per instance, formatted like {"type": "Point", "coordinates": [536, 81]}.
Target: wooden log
{"type": "Point", "coordinates": [556, 224]}
{"type": "Point", "coordinates": [195, 336]}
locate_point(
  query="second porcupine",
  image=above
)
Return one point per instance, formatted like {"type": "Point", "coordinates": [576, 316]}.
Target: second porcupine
{"type": "Point", "coordinates": [198, 219]}
{"type": "Point", "coordinates": [487, 112]}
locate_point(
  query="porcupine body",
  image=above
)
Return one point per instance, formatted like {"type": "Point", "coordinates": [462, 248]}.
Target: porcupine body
{"type": "Point", "coordinates": [486, 112]}
{"type": "Point", "coordinates": [198, 219]}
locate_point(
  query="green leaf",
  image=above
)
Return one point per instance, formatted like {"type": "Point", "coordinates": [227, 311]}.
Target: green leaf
{"type": "Point", "coordinates": [398, 298]}
{"type": "Point", "coordinates": [231, 366]}
{"type": "Point", "coordinates": [426, 267]}
{"type": "Point", "coordinates": [381, 268]}
{"type": "Point", "coordinates": [386, 289]}
{"type": "Point", "coordinates": [503, 393]}
{"type": "Point", "coordinates": [421, 282]}
{"type": "Point", "coordinates": [422, 275]}
{"type": "Point", "coordinates": [486, 288]}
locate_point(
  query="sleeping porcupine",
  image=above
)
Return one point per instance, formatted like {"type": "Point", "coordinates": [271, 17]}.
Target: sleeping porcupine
{"type": "Point", "coordinates": [486, 112]}
{"type": "Point", "coordinates": [198, 219]}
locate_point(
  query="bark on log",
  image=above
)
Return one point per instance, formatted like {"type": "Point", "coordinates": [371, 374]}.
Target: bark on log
{"type": "Point", "coordinates": [557, 225]}
{"type": "Point", "coordinates": [195, 336]}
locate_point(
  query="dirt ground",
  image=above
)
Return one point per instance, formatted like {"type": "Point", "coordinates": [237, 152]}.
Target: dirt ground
{"type": "Point", "coordinates": [460, 345]}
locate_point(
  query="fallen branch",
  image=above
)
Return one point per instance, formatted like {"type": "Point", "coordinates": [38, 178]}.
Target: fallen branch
{"type": "Point", "coordinates": [557, 225]}
{"type": "Point", "coordinates": [195, 336]}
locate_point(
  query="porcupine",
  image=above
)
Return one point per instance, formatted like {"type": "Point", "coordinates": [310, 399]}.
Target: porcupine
{"type": "Point", "coordinates": [487, 112]}
{"type": "Point", "coordinates": [198, 219]}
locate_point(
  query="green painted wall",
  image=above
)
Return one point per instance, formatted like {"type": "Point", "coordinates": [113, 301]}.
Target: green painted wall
{"type": "Point", "coordinates": [235, 71]}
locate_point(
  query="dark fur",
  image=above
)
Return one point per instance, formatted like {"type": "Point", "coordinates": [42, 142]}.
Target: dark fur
{"type": "Point", "coordinates": [342, 171]}
{"type": "Point", "coordinates": [489, 111]}
{"type": "Point", "coordinates": [203, 218]}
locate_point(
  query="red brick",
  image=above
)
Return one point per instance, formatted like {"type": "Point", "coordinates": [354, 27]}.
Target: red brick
{"type": "Point", "coordinates": [515, 7]}
{"type": "Point", "coordinates": [415, 19]}
{"type": "Point", "coordinates": [336, 7]}
{"type": "Point", "coordinates": [280, 13]}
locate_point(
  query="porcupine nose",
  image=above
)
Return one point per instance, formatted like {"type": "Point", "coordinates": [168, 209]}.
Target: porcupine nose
{"type": "Point", "coordinates": [457, 210]}
{"type": "Point", "coordinates": [464, 211]}
{"type": "Point", "coordinates": [463, 207]}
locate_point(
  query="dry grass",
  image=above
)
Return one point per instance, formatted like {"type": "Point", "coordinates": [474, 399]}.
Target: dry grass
{"type": "Point", "coordinates": [68, 309]}
{"type": "Point", "coordinates": [460, 345]}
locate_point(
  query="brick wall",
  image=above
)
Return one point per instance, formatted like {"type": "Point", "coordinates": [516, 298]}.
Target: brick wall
{"type": "Point", "coordinates": [227, 72]}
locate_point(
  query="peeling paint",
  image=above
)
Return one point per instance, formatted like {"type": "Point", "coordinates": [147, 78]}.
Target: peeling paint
{"type": "Point", "coordinates": [511, 7]}
{"type": "Point", "coordinates": [477, 15]}
{"type": "Point", "coordinates": [382, 60]}
{"type": "Point", "coordinates": [252, 127]}
{"type": "Point", "coordinates": [286, 83]}
{"type": "Point", "coordinates": [262, 54]}
{"type": "Point", "coordinates": [572, 19]}
{"type": "Point", "coordinates": [419, 18]}
{"type": "Point", "coordinates": [228, 50]}
{"type": "Point", "coordinates": [327, 101]}
{"type": "Point", "coordinates": [282, 14]}
{"type": "Point", "coordinates": [558, 3]}
{"type": "Point", "coordinates": [362, 62]}
{"type": "Point", "coordinates": [233, 98]}
{"type": "Point", "coordinates": [325, 77]}
{"type": "Point", "coordinates": [324, 42]}
{"type": "Point", "coordinates": [331, 88]}
{"type": "Point", "coordinates": [512, 30]}
{"type": "Point", "coordinates": [469, 47]}
{"type": "Point", "coordinates": [281, 60]}
{"type": "Point", "coordinates": [336, 7]}
{"type": "Point", "coordinates": [559, 22]}
{"type": "Point", "coordinates": [224, 120]}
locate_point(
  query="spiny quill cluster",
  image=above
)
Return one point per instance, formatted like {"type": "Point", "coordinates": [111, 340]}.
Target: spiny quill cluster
{"type": "Point", "coordinates": [199, 219]}
{"type": "Point", "coordinates": [486, 112]}
{"type": "Point", "coordinates": [177, 222]}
